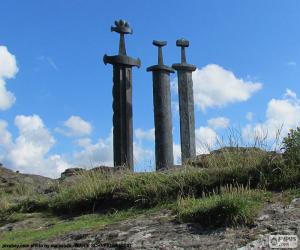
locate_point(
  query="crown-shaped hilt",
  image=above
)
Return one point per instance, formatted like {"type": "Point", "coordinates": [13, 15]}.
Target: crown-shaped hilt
{"type": "Point", "coordinates": [183, 44]}
{"type": "Point", "coordinates": [122, 27]}
{"type": "Point", "coordinates": [159, 44]}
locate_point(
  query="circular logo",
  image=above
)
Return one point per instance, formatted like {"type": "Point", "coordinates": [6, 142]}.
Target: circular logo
{"type": "Point", "coordinates": [273, 241]}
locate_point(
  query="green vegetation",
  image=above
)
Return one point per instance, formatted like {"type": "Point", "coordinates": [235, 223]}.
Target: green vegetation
{"type": "Point", "coordinates": [10, 198]}
{"type": "Point", "coordinates": [232, 206]}
{"type": "Point", "coordinates": [291, 145]}
{"type": "Point", "coordinates": [195, 192]}
{"type": "Point", "coordinates": [20, 200]}
{"type": "Point", "coordinates": [58, 226]}
{"type": "Point", "coordinates": [96, 191]}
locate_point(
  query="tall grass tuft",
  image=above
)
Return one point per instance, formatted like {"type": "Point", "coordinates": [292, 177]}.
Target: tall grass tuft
{"type": "Point", "coordinates": [232, 206]}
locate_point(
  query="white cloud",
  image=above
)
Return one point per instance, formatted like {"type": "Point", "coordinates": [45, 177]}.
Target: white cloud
{"type": "Point", "coordinates": [8, 69]}
{"type": "Point", "coordinates": [141, 134]}
{"type": "Point", "coordinates": [142, 156]}
{"type": "Point", "coordinates": [29, 152]}
{"type": "Point", "coordinates": [215, 86]}
{"type": "Point", "coordinates": [218, 122]}
{"type": "Point", "coordinates": [5, 136]}
{"type": "Point", "coordinates": [84, 142]}
{"type": "Point", "coordinates": [206, 139]}
{"type": "Point", "coordinates": [92, 155]}
{"type": "Point", "coordinates": [282, 114]}
{"type": "Point", "coordinates": [249, 116]}
{"type": "Point", "coordinates": [7, 99]}
{"type": "Point", "coordinates": [290, 94]}
{"type": "Point", "coordinates": [177, 153]}
{"type": "Point", "coordinates": [101, 153]}
{"type": "Point", "coordinates": [33, 143]}
{"type": "Point", "coordinates": [8, 64]}
{"type": "Point", "coordinates": [57, 164]}
{"type": "Point", "coordinates": [75, 126]}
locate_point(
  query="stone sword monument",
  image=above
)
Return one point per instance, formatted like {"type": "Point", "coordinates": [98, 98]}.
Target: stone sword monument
{"type": "Point", "coordinates": [186, 103]}
{"type": "Point", "coordinates": [162, 110]}
{"type": "Point", "coordinates": [122, 98]}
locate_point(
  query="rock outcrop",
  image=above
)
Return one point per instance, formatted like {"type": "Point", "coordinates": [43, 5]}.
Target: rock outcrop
{"type": "Point", "coordinates": [160, 230]}
{"type": "Point", "coordinates": [10, 180]}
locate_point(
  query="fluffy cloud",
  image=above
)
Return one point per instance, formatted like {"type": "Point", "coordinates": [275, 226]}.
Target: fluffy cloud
{"type": "Point", "coordinates": [281, 115]}
{"type": "Point", "coordinates": [101, 152]}
{"type": "Point", "coordinates": [218, 122]}
{"type": "Point", "coordinates": [75, 126]}
{"type": "Point", "coordinates": [56, 164]}
{"type": "Point", "coordinates": [215, 86]}
{"type": "Point", "coordinates": [8, 65]}
{"type": "Point", "coordinates": [8, 69]}
{"type": "Point", "coordinates": [91, 155]}
{"type": "Point", "coordinates": [29, 152]}
{"type": "Point", "coordinates": [141, 134]}
{"type": "Point", "coordinates": [177, 153]}
{"type": "Point", "coordinates": [206, 139]}
{"type": "Point", "coordinates": [33, 143]}
{"type": "Point", "coordinates": [143, 157]}
{"type": "Point", "coordinates": [5, 136]}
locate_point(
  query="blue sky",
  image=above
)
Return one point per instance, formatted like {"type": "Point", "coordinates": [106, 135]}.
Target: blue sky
{"type": "Point", "coordinates": [56, 92]}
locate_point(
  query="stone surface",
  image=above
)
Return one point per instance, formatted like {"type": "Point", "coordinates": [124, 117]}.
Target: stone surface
{"type": "Point", "coordinates": [161, 231]}
{"type": "Point", "coordinates": [9, 180]}
{"type": "Point", "coordinates": [162, 110]}
{"type": "Point", "coordinates": [71, 172]}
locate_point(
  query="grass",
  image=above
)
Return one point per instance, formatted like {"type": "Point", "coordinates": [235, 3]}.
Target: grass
{"type": "Point", "coordinates": [230, 157]}
{"type": "Point", "coordinates": [233, 206]}
{"type": "Point", "coordinates": [134, 189]}
{"type": "Point", "coordinates": [96, 191]}
{"type": "Point", "coordinates": [100, 191]}
{"type": "Point", "coordinates": [93, 191]}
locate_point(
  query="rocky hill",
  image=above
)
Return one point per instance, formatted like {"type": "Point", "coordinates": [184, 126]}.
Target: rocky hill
{"type": "Point", "coordinates": [10, 180]}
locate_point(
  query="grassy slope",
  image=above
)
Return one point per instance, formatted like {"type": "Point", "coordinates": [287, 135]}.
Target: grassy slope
{"type": "Point", "coordinates": [133, 193]}
{"type": "Point", "coordinates": [123, 190]}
